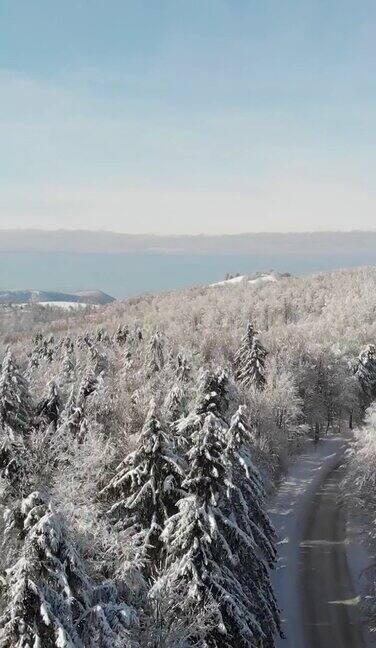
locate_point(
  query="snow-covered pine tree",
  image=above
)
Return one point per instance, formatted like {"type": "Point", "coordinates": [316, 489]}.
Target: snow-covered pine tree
{"type": "Point", "coordinates": [248, 495]}
{"type": "Point", "coordinates": [366, 372]}
{"type": "Point", "coordinates": [212, 397]}
{"type": "Point", "coordinates": [139, 336]}
{"type": "Point", "coordinates": [16, 417]}
{"type": "Point", "coordinates": [175, 403]}
{"type": "Point", "coordinates": [183, 368]}
{"type": "Point", "coordinates": [50, 602]}
{"type": "Point", "coordinates": [122, 334]}
{"type": "Point", "coordinates": [250, 360]}
{"type": "Point", "coordinates": [12, 464]}
{"type": "Point", "coordinates": [154, 353]}
{"type": "Point", "coordinates": [213, 549]}
{"type": "Point", "coordinates": [43, 586]}
{"type": "Point", "coordinates": [68, 364]}
{"type": "Point", "coordinates": [147, 487]}
{"type": "Point", "coordinates": [66, 343]}
{"type": "Point", "coordinates": [49, 348]}
{"type": "Point", "coordinates": [240, 433]}
{"type": "Point", "coordinates": [74, 415]}
{"type": "Point", "coordinates": [87, 386]}
{"type": "Point", "coordinates": [107, 622]}
{"type": "Point", "coordinates": [166, 626]}
{"type": "Point", "coordinates": [103, 336]}
{"type": "Point", "coordinates": [49, 408]}
{"type": "Point", "coordinates": [16, 408]}
{"type": "Point", "coordinates": [33, 363]}
{"type": "Point", "coordinates": [212, 393]}
{"type": "Point", "coordinates": [99, 360]}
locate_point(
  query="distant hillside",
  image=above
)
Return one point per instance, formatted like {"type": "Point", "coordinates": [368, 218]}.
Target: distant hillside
{"type": "Point", "coordinates": [94, 297]}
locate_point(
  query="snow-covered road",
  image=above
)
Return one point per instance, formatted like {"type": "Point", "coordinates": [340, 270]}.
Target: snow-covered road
{"type": "Point", "coordinates": [312, 581]}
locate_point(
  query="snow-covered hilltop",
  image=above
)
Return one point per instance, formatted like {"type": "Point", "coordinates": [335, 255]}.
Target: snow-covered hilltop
{"type": "Point", "coordinates": [92, 297]}
{"type": "Point", "coordinates": [256, 279]}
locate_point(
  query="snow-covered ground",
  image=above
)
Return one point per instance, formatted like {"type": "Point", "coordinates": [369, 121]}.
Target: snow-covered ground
{"type": "Point", "coordinates": [265, 278]}
{"type": "Point", "coordinates": [229, 282]}
{"type": "Point", "coordinates": [288, 510]}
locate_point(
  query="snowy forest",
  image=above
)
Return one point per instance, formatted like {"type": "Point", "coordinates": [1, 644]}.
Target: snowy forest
{"type": "Point", "coordinates": [140, 443]}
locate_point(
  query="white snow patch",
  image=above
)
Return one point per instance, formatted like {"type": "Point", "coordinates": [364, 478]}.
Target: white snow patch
{"type": "Point", "coordinates": [228, 282]}
{"type": "Point", "coordinates": [264, 278]}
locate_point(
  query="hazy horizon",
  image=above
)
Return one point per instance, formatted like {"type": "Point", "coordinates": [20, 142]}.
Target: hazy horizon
{"type": "Point", "coordinates": [104, 230]}
{"type": "Point", "coordinates": [126, 264]}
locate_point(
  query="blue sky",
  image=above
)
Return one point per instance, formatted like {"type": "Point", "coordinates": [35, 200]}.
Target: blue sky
{"type": "Point", "coordinates": [187, 116]}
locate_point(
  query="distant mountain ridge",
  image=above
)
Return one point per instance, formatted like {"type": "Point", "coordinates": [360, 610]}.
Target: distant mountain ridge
{"type": "Point", "coordinates": [82, 241]}
{"type": "Point", "coordinates": [94, 297]}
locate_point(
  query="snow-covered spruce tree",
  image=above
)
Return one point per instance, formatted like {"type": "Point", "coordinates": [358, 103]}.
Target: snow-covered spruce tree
{"type": "Point", "coordinates": [155, 354]}
{"type": "Point", "coordinates": [122, 334]}
{"type": "Point", "coordinates": [87, 386]}
{"type": "Point", "coordinates": [183, 368]}
{"type": "Point", "coordinates": [103, 336]}
{"type": "Point", "coordinates": [42, 586]}
{"type": "Point", "coordinates": [16, 414]}
{"type": "Point", "coordinates": [250, 360]}
{"type": "Point", "coordinates": [213, 549]}
{"type": "Point", "coordinates": [248, 495]}
{"type": "Point", "coordinates": [213, 393]}
{"type": "Point", "coordinates": [107, 622]}
{"type": "Point", "coordinates": [175, 403]}
{"type": "Point", "coordinates": [73, 417]}
{"type": "Point", "coordinates": [13, 465]}
{"type": "Point", "coordinates": [68, 365]}
{"type": "Point", "coordinates": [147, 487]}
{"type": "Point", "coordinates": [33, 363]}
{"type": "Point", "coordinates": [366, 372]}
{"type": "Point", "coordinates": [212, 397]}
{"type": "Point", "coordinates": [165, 626]}
{"type": "Point", "coordinates": [49, 600]}
{"type": "Point", "coordinates": [240, 433]}
{"type": "Point", "coordinates": [49, 408]}
{"type": "Point", "coordinates": [16, 408]}
{"type": "Point", "coordinates": [99, 360]}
